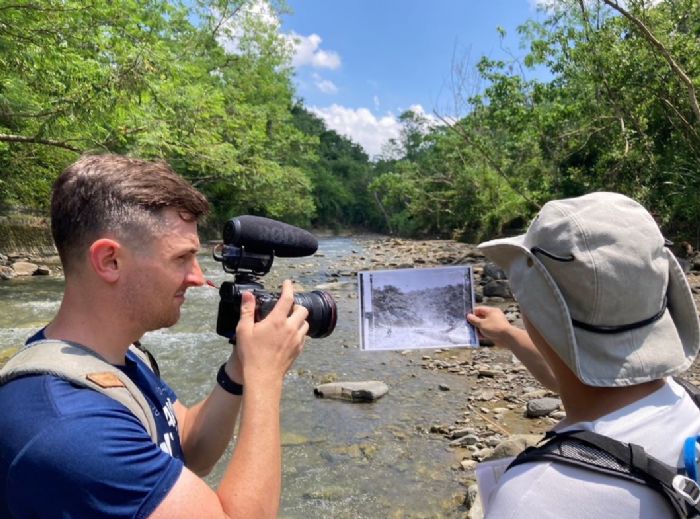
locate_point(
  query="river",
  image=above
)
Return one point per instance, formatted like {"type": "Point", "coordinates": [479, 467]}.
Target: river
{"type": "Point", "coordinates": [340, 460]}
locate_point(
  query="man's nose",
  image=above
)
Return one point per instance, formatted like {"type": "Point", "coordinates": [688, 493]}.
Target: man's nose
{"type": "Point", "coordinates": [195, 276]}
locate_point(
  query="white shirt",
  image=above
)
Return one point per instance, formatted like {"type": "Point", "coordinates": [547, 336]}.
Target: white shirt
{"type": "Point", "coordinates": [659, 422]}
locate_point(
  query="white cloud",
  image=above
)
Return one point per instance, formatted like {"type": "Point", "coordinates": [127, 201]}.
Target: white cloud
{"type": "Point", "coordinates": [324, 85]}
{"type": "Point", "coordinates": [307, 52]}
{"type": "Point", "coordinates": [366, 129]}
{"type": "Point", "coordinates": [376, 102]}
{"type": "Point", "coordinates": [360, 125]}
{"type": "Point", "coordinates": [431, 119]}
{"type": "Point", "coordinates": [233, 27]}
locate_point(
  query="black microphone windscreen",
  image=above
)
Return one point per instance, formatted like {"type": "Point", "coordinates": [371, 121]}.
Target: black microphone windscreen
{"type": "Point", "coordinates": [260, 234]}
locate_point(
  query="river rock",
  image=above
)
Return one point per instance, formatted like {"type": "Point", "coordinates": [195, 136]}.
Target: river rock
{"type": "Point", "coordinates": [497, 288]}
{"type": "Point", "coordinates": [530, 393]}
{"type": "Point", "coordinates": [473, 502]}
{"type": "Point", "coordinates": [42, 270]}
{"type": "Point", "coordinates": [542, 407]}
{"type": "Point", "coordinates": [514, 445]}
{"type": "Point", "coordinates": [6, 273]}
{"type": "Point", "coordinates": [364, 391]}
{"type": "Point", "coordinates": [459, 433]}
{"type": "Point", "coordinates": [493, 271]}
{"type": "Point", "coordinates": [465, 440]}
{"type": "Point", "coordinates": [468, 464]}
{"type": "Point", "coordinates": [24, 268]}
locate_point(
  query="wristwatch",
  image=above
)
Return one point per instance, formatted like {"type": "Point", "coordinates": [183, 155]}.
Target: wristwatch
{"type": "Point", "coordinates": [226, 383]}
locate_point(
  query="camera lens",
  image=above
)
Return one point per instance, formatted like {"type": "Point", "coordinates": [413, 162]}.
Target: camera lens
{"type": "Point", "coordinates": [322, 312]}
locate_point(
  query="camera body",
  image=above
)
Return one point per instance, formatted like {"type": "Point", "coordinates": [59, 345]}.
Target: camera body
{"type": "Point", "coordinates": [247, 252]}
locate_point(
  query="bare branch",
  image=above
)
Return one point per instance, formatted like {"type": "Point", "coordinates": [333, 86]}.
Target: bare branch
{"type": "Point", "coordinates": [654, 42]}
{"type": "Point", "coordinates": [381, 207]}
{"type": "Point", "coordinates": [687, 127]}
{"type": "Point", "coordinates": [489, 159]}
{"type": "Point", "coordinates": [36, 140]}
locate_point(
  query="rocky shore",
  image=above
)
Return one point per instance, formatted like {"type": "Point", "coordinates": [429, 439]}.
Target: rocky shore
{"type": "Point", "coordinates": [23, 265]}
{"type": "Point", "coordinates": [505, 409]}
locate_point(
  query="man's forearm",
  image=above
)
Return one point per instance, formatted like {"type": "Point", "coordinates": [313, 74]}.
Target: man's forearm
{"type": "Point", "coordinates": [519, 343]}
{"type": "Point", "coordinates": [207, 429]}
{"type": "Point", "coordinates": [254, 475]}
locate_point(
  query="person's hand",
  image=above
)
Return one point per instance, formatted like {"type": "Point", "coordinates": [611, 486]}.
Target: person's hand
{"type": "Point", "coordinates": [268, 348]}
{"type": "Point", "coordinates": [491, 323]}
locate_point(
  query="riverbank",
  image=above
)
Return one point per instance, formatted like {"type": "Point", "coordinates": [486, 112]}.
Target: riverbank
{"type": "Point", "coordinates": [460, 406]}
{"type": "Point", "coordinates": [26, 246]}
{"type": "Point", "coordinates": [505, 409]}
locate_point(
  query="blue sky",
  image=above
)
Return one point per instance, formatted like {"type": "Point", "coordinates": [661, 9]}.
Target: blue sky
{"type": "Point", "coordinates": [360, 63]}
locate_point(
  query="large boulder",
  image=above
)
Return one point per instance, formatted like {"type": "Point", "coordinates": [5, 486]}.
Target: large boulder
{"type": "Point", "coordinates": [493, 271]}
{"type": "Point", "coordinates": [24, 268]}
{"type": "Point", "coordinates": [365, 391]}
{"type": "Point", "coordinates": [497, 288]}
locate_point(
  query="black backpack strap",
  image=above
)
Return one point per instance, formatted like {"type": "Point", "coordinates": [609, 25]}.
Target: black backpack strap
{"type": "Point", "coordinates": [146, 356]}
{"type": "Point", "coordinates": [592, 451]}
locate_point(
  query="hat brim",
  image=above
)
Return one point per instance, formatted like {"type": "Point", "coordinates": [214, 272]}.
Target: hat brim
{"type": "Point", "coordinates": [663, 348]}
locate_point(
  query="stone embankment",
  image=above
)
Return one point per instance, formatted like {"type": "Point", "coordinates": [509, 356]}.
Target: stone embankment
{"type": "Point", "coordinates": [26, 246]}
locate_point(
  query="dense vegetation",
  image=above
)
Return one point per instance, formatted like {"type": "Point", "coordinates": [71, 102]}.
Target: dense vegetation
{"type": "Point", "coordinates": [619, 111]}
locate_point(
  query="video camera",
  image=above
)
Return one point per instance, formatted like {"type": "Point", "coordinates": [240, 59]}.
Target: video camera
{"type": "Point", "coordinates": [250, 244]}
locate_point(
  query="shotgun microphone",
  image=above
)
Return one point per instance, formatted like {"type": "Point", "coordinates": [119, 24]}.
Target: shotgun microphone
{"type": "Point", "coordinates": [264, 235]}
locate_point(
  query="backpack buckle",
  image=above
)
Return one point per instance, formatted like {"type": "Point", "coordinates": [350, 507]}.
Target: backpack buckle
{"type": "Point", "coordinates": [687, 489]}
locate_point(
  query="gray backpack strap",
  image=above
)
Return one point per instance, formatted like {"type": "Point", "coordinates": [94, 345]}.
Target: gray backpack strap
{"type": "Point", "coordinates": [84, 367]}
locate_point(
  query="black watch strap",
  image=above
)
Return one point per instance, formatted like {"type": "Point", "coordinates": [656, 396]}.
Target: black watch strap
{"type": "Point", "coordinates": [226, 383]}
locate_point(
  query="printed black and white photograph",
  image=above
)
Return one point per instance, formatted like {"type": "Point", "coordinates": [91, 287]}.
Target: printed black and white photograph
{"type": "Point", "coordinates": [416, 308]}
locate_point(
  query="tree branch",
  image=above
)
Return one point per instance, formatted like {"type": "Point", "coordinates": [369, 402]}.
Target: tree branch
{"type": "Point", "coordinates": [489, 159]}
{"type": "Point", "coordinates": [36, 140]}
{"type": "Point", "coordinates": [381, 207]}
{"type": "Point", "coordinates": [651, 39]}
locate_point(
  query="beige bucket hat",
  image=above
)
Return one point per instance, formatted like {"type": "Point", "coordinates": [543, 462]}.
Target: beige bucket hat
{"type": "Point", "coordinates": [595, 278]}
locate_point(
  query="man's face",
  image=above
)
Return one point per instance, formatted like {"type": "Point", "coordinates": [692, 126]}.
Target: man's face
{"type": "Point", "coordinates": [157, 277]}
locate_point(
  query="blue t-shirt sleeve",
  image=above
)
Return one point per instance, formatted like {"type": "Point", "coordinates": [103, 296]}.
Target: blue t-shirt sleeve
{"type": "Point", "coordinates": [98, 465]}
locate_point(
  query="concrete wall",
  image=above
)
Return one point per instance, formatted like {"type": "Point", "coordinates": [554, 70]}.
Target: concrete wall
{"type": "Point", "coordinates": [22, 234]}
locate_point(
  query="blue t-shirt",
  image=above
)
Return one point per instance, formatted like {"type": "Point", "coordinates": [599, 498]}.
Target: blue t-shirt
{"type": "Point", "coordinates": [71, 452]}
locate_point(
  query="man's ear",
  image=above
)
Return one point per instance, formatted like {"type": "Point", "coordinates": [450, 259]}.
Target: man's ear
{"type": "Point", "coordinates": [105, 259]}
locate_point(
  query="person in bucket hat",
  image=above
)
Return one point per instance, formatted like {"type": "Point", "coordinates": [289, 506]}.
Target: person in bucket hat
{"type": "Point", "coordinates": [609, 319]}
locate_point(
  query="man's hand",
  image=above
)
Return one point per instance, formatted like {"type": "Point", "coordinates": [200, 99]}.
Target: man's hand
{"type": "Point", "coordinates": [491, 324]}
{"type": "Point", "coordinates": [268, 348]}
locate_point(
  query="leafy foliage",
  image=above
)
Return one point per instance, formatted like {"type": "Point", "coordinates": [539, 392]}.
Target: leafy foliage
{"type": "Point", "coordinates": [618, 114]}
{"type": "Point", "coordinates": [179, 81]}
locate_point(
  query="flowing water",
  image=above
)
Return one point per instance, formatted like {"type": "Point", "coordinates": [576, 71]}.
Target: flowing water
{"type": "Point", "coordinates": [340, 460]}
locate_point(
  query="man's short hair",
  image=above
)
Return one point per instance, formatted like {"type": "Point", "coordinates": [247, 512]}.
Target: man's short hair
{"type": "Point", "coordinates": [113, 194]}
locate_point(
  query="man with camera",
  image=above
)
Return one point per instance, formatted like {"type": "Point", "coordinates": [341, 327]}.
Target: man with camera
{"type": "Point", "coordinates": [126, 232]}
{"type": "Point", "coordinates": [609, 321]}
